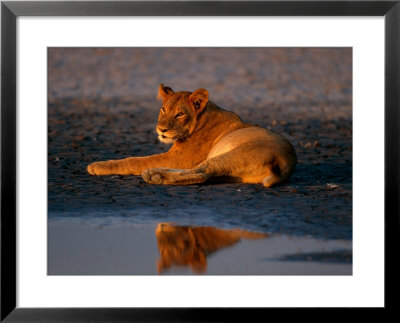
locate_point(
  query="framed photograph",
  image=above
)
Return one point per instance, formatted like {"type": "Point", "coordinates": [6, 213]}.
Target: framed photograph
{"type": "Point", "coordinates": [162, 159]}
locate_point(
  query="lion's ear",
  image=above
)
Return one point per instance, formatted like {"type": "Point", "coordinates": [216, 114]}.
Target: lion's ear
{"type": "Point", "coordinates": [199, 99]}
{"type": "Point", "coordinates": [164, 92]}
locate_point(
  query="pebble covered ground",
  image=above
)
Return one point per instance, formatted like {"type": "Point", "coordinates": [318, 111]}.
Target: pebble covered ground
{"type": "Point", "coordinates": [102, 105]}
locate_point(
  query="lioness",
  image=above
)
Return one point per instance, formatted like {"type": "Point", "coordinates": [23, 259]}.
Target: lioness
{"type": "Point", "coordinates": [189, 246]}
{"type": "Point", "coordinates": [208, 142]}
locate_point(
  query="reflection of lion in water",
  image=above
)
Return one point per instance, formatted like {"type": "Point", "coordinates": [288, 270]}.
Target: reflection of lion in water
{"type": "Point", "coordinates": [189, 246]}
{"type": "Point", "coordinates": [208, 142]}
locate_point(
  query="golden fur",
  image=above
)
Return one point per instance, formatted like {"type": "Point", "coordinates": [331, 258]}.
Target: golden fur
{"type": "Point", "coordinates": [208, 142]}
{"type": "Point", "coordinates": [189, 246]}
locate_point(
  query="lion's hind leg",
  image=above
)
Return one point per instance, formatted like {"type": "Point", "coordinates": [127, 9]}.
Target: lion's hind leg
{"type": "Point", "coordinates": [230, 166]}
{"type": "Point", "coordinates": [213, 167]}
{"type": "Point", "coordinates": [169, 176]}
{"type": "Point", "coordinates": [242, 164]}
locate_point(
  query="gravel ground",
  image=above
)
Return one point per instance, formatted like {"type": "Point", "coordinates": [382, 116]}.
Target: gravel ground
{"type": "Point", "coordinates": [102, 105]}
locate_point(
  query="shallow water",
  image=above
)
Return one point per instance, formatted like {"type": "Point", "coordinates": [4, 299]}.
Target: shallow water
{"type": "Point", "coordinates": [89, 248]}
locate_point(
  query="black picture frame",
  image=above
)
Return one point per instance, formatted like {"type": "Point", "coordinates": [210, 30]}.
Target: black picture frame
{"type": "Point", "coordinates": [10, 10]}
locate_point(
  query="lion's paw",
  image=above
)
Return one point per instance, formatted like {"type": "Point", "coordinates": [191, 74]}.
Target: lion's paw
{"type": "Point", "coordinates": [92, 169]}
{"type": "Point", "coordinates": [98, 168]}
{"type": "Point", "coordinates": [152, 176]}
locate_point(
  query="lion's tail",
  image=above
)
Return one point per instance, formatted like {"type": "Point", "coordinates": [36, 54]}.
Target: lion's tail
{"type": "Point", "coordinates": [282, 173]}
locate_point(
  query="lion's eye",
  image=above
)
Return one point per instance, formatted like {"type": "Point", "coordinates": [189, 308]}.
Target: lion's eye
{"type": "Point", "coordinates": [162, 109]}
{"type": "Point", "coordinates": [180, 114]}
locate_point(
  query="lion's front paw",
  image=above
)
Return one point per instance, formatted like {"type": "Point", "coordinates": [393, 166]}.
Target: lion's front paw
{"type": "Point", "coordinates": [97, 168]}
{"type": "Point", "coordinates": [168, 176]}
{"type": "Point", "coordinates": [92, 169]}
{"type": "Point", "coordinates": [152, 176]}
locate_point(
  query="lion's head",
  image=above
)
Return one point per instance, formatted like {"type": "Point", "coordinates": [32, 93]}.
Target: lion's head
{"type": "Point", "coordinates": [179, 113]}
{"type": "Point", "coordinates": [190, 245]}
{"type": "Point", "coordinates": [177, 246]}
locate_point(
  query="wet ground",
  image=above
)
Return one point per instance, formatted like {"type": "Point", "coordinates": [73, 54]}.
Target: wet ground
{"type": "Point", "coordinates": [102, 106]}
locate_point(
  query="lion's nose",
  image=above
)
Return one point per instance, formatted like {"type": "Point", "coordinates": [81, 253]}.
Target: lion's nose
{"type": "Point", "coordinates": [162, 129]}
